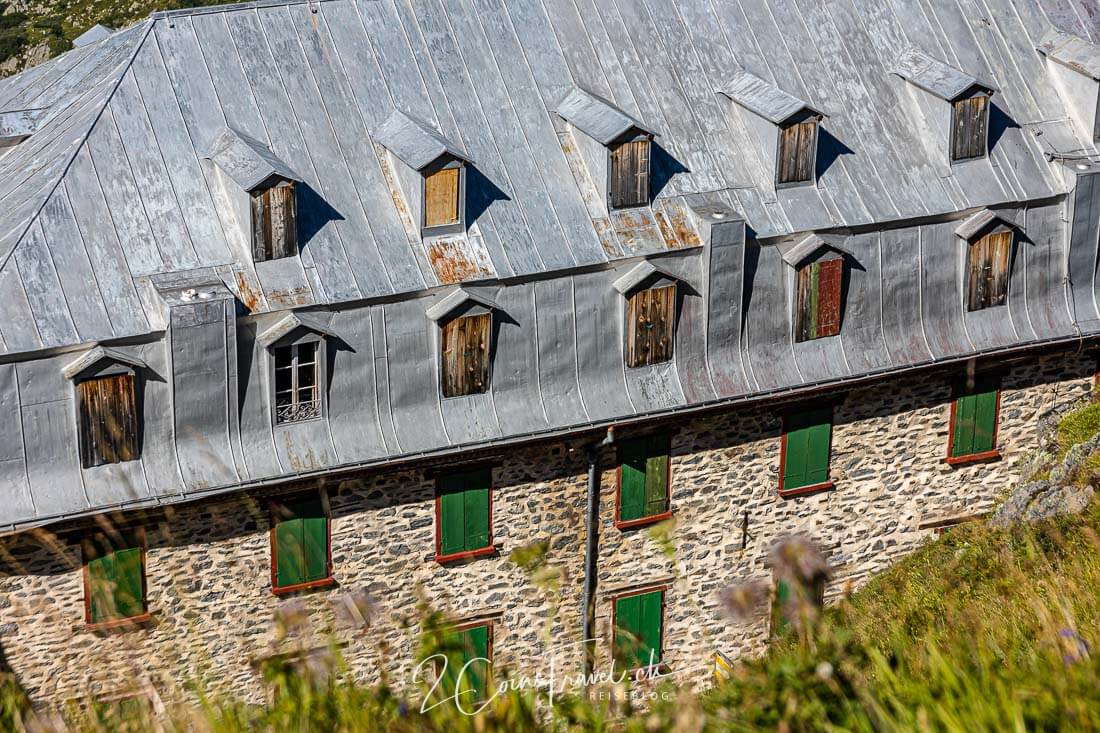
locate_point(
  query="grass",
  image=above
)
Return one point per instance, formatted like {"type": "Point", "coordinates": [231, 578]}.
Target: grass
{"type": "Point", "coordinates": [984, 629]}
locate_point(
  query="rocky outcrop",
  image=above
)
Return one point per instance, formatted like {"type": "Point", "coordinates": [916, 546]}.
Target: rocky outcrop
{"type": "Point", "coordinates": [1063, 492]}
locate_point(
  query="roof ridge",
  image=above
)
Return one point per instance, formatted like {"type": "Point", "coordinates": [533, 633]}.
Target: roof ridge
{"type": "Point", "coordinates": [233, 7]}
{"type": "Point", "coordinates": [48, 191]}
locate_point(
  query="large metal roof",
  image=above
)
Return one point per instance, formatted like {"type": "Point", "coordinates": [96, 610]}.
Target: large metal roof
{"type": "Point", "coordinates": [113, 187]}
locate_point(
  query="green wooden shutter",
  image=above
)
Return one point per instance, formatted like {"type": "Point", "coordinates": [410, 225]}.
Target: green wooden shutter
{"type": "Point", "coordinates": [116, 578]}
{"type": "Point", "coordinates": [643, 484]}
{"type": "Point", "coordinates": [650, 619]}
{"type": "Point", "coordinates": [806, 458]}
{"type": "Point", "coordinates": [301, 542]}
{"type": "Point", "coordinates": [464, 512]}
{"type": "Point", "coordinates": [628, 626]}
{"type": "Point", "coordinates": [638, 629]}
{"type": "Point", "coordinates": [477, 518]}
{"type": "Point", "coordinates": [477, 647]}
{"type": "Point", "coordinates": [975, 423]}
{"type": "Point", "coordinates": [462, 647]}
{"type": "Point", "coordinates": [129, 579]}
{"type": "Point", "coordinates": [656, 479]}
{"type": "Point", "coordinates": [632, 480]}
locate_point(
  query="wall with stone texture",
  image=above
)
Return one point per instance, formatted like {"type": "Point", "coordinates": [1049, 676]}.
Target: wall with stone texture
{"type": "Point", "coordinates": [208, 563]}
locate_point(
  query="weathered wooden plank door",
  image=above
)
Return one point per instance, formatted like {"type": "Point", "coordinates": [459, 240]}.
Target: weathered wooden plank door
{"type": "Point", "coordinates": [108, 420]}
{"type": "Point", "coordinates": [466, 355]}
{"type": "Point", "coordinates": [650, 316]}
{"type": "Point", "coordinates": [630, 174]}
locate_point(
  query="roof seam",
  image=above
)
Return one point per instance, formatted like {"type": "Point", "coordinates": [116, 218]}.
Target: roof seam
{"type": "Point", "coordinates": [83, 140]}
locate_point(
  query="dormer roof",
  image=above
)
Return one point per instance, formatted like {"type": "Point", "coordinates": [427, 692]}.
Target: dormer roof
{"type": "Point", "coordinates": [766, 100]}
{"type": "Point", "coordinates": [96, 356]}
{"type": "Point", "coordinates": [977, 222]}
{"type": "Point", "coordinates": [95, 34]}
{"type": "Point", "coordinates": [641, 275]}
{"type": "Point", "coordinates": [454, 299]}
{"type": "Point", "coordinates": [936, 77]}
{"type": "Point", "coordinates": [18, 124]}
{"type": "Point", "coordinates": [283, 326]}
{"type": "Point", "coordinates": [796, 251]}
{"type": "Point", "coordinates": [248, 161]}
{"type": "Point", "coordinates": [598, 118]}
{"type": "Point", "coordinates": [414, 142]}
{"type": "Point", "coordinates": [1072, 52]}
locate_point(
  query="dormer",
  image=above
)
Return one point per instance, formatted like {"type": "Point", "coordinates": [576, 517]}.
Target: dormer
{"type": "Point", "coordinates": [784, 127]}
{"type": "Point", "coordinates": [18, 125]}
{"type": "Point", "coordinates": [465, 321]}
{"type": "Point", "coordinates": [651, 294]}
{"type": "Point", "coordinates": [818, 264]}
{"type": "Point", "coordinates": [106, 386]}
{"type": "Point", "coordinates": [989, 238]}
{"type": "Point", "coordinates": [955, 104]}
{"type": "Point", "coordinates": [263, 191]}
{"type": "Point", "coordinates": [297, 345]}
{"type": "Point", "coordinates": [93, 35]}
{"type": "Point", "coordinates": [431, 170]}
{"type": "Point", "coordinates": [616, 148]}
{"type": "Point", "coordinates": [1074, 65]}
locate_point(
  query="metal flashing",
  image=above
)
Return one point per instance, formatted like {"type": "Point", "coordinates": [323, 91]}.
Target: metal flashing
{"type": "Point", "coordinates": [248, 161]}
{"type": "Point", "coordinates": [455, 298]}
{"type": "Point", "coordinates": [100, 354]}
{"type": "Point", "coordinates": [414, 142]}
{"type": "Point", "coordinates": [766, 100]}
{"type": "Point", "coordinates": [289, 323]}
{"type": "Point", "coordinates": [598, 118]}
{"type": "Point", "coordinates": [1072, 52]}
{"type": "Point", "coordinates": [936, 77]}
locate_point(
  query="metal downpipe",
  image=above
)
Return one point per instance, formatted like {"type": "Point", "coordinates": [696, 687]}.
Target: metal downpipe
{"type": "Point", "coordinates": [591, 548]}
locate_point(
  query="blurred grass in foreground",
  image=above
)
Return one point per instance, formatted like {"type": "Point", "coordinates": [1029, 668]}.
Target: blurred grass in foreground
{"type": "Point", "coordinates": [983, 629]}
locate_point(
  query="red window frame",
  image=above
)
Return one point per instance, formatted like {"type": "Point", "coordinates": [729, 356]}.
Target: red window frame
{"type": "Point", "coordinates": [489, 549]}
{"type": "Point", "coordinates": [614, 600]}
{"type": "Point", "coordinates": [466, 626]}
{"type": "Point", "coordinates": [825, 485]}
{"type": "Point", "coordinates": [139, 534]}
{"type": "Point", "coordinates": [326, 582]}
{"type": "Point", "coordinates": [641, 521]}
{"type": "Point", "coordinates": [988, 455]}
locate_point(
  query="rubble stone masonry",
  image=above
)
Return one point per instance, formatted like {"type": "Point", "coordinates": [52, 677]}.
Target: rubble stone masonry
{"type": "Point", "coordinates": [208, 563]}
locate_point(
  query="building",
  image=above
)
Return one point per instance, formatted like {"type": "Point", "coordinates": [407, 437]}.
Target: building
{"type": "Point", "coordinates": [306, 300]}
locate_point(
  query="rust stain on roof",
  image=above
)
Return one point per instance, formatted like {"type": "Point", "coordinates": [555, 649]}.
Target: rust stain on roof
{"type": "Point", "coordinates": [247, 293]}
{"type": "Point", "coordinates": [291, 296]}
{"type": "Point", "coordinates": [457, 260]}
{"type": "Point", "coordinates": [676, 228]}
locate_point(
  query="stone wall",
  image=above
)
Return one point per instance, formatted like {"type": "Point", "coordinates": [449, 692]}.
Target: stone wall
{"type": "Point", "coordinates": [208, 563]}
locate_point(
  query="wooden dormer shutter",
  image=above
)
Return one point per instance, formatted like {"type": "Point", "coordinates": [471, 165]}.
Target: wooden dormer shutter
{"type": "Point", "coordinates": [969, 128]}
{"type": "Point", "coordinates": [797, 148]}
{"type": "Point", "coordinates": [987, 270]}
{"type": "Point", "coordinates": [465, 363]}
{"type": "Point", "coordinates": [650, 317]}
{"type": "Point", "coordinates": [630, 174]}
{"type": "Point", "coordinates": [817, 303]}
{"type": "Point", "coordinates": [107, 414]}
{"type": "Point", "coordinates": [274, 222]}
{"type": "Point", "coordinates": [441, 194]}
